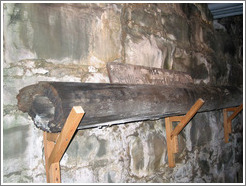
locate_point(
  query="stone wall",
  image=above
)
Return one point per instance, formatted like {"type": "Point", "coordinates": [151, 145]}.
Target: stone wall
{"type": "Point", "coordinates": [74, 42]}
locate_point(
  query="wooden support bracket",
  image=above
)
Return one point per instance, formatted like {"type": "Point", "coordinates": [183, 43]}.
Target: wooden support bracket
{"type": "Point", "coordinates": [55, 144]}
{"type": "Point", "coordinates": [172, 135]}
{"type": "Point", "coordinates": [227, 120]}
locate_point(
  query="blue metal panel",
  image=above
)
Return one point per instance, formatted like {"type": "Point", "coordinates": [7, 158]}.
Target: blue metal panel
{"type": "Point", "coordinates": [220, 10]}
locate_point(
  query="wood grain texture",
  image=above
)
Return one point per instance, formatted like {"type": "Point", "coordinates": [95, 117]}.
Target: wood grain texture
{"type": "Point", "coordinates": [226, 133]}
{"type": "Point", "coordinates": [55, 173]}
{"type": "Point", "coordinates": [170, 143]}
{"type": "Point", "coordinates": [66, 135]}
{"type": "Point", "coordinates": [48, 147]}
{"type": "Point", "coordinates": [49, 103]}
{"type": "Point", "coordinates": [184, 121]}
{"type": "Point", "coordinates": [136, 74]}
{"type": "Point", "coordinates": [55, 144]}
{"type": "Point", "coordinates": [236, 111]}
{"type": "Point", "coordinates": [228, 120]}
{"type": "Point", "coordinates": [175, 138]}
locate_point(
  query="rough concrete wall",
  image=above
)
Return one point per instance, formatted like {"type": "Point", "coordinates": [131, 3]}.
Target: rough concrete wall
{"type": "Point", "coordinates": [68, 42]}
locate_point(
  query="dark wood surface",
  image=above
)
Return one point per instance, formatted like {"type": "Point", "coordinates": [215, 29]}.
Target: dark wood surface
{"type": "Point", "coordinates": [49, 103]}
{"type": "Point", "coordinates": [136, 74]}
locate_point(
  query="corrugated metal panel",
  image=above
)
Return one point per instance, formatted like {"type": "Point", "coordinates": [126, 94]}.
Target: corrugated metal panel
{"type": "Point", "coordinates": [220, 10]}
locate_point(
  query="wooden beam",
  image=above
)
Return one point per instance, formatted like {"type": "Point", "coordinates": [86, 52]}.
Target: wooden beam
{"type": "Point", "coordinates": [52, 136]}
{"type": "Point", "coordinates": [48, 147]}
{"type": "Point", "coordinates": [176, 118]}
{"type": "Point", "coordinates": [175, 138]}
{"type": "Point", "coordinates": [226, 133]}
{"type": "Point", "coordinates": [109, 104]}
{"type": "Point", "coordinates": [135, 74]}
{"type": "Point", "coordinates": [236, 111]}
{"type": "Point", "coordinates": [228, 120]}
{"type": "Point", "coordinates": [55, 173]}
{"type": "Point", "coordinates": [232, 109]}
{"type": "Point", "coordinates": [187, 117]}
{"type": "Point", "coordinates": [55, 145]}
{"type": "Point", "coordinates": [170, 147]}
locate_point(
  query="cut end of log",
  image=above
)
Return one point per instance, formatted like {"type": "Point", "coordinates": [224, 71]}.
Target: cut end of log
{"type": "Point", "coordinates": [78, 109]}
{"type": "Point", "coordinates": [201, 100]}
{"type": "Point", "coordinates": [42, 103]}
{"type": "Point", "coordinates": [44, 111]}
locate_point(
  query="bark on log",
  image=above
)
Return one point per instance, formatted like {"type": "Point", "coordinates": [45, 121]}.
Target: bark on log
{"type": "Point", "coordinates": [49, 103]}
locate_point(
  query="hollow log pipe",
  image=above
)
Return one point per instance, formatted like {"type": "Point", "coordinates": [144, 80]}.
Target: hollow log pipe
{"type": "Point", "coordinates": [49, 103]}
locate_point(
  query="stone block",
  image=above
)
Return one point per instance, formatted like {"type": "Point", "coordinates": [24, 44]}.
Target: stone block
{"type": "Point", "coordinates": [144, 52]}
{"type": "Point", "coordinates": [73, 42]}
{"type": "Point", "coordinates": [144, 18]}
{"type": "Point", "coordinates": [200, 68]}
{"type": "Point", "coordinates": [200, 126]}
{"type": "Point", "coordinates": [15, 120]}
{"type": "Point", "coordinates": [177, 26]}
{"type": "Point", "coordinates": [78, 175]}
{"type": "Point", "coordinates": [15, 142]}
{"type": "Point", "coordinates": [111, 173]}
{"type": "Point", "coordinates": [22, 155]}
{"type": "Point", "coordinates": [181, 60]}
{"type": "Point", "coordinates": [105, 39]}
{"type": "Point", "coordinates": [50, 32]}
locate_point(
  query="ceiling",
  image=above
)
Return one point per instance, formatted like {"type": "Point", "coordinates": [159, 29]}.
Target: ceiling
{"type": "Point", "coordinates": [220, 10]}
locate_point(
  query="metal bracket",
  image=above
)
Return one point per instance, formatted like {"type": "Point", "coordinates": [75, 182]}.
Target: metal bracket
{"type": "Point", "coordinates": [172, 135]}
{"type": "Point", "coordinates": [55, 144]}
{"type": "Point", "coordinates": [227, 120]}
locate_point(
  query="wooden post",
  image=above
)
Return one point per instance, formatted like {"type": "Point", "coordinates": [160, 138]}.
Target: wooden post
{"type": "Point", "coordinates": [55, 145]}
{"type": "Point", "coordinates": [48, 147]}
{"type": "Point", "coordinates": [172, 143]}
{"type": "Point", "coordinates": [175, 138]}
{"type": "Point", "coordinates": [172, 135]}
{"type": "Point", "coordinates": [55, 173]}
{"type": "Point", "coordinates": [226, 133]}
{"type": "Point", "coordinates": [170, 149]}
{"type": "Point", "coordinates": [228, 120]}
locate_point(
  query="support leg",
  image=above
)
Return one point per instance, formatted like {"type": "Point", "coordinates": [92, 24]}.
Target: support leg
{"type": "Point", "coordinates": [55, 145]}
{"type": "Point", "coordinates": [48, 147]}
{"type": "Point", "coordinates": [55, 173]}
{"type": "Point", "coordinates": [172, 143]}
{"type": "Point", "coordinates": [226, 132]}
{"type": "Point", "coordinates": [170, 149]}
